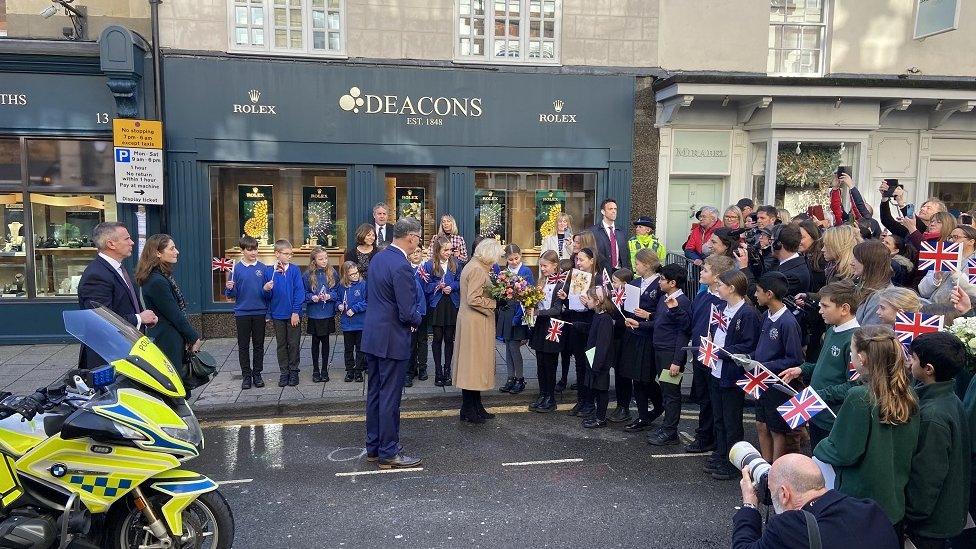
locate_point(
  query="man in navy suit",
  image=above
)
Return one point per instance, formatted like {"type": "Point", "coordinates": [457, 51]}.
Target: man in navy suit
{"type": "Point", "coordinates": [804, 505]}
{"type": "Point", "coordinates": [391, 317]}
{"type": "Point", "coordinates": [611, 242]}
{"type": "Point", "coordinates": [106, 282]}
{"type": "Point", "coordinates": [383, 230]}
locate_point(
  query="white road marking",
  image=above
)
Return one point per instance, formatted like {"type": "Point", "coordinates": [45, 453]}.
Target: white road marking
{"type": "Point", "coordinates": [542, 462]}
{"type": "Point", "coordinates": [679, 455]}
{"type": "Point", "coordinates": [238, 481]}
{"type": "Point", "coordinates": [379, 472]}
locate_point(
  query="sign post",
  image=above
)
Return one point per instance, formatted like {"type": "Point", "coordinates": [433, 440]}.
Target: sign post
{"type": "Point", "coordinates": [138, 161]}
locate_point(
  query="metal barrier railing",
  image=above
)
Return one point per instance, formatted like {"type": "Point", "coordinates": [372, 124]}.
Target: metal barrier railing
{"type": "Point", "coordinates": [694, 272]}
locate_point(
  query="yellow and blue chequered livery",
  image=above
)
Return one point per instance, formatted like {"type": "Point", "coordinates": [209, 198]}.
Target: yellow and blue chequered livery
{"type": "Point", "coordinates": [150, 416]}
{"type": "Point", "coordinates": [101, 485]}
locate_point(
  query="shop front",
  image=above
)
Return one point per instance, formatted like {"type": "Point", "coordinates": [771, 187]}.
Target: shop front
{"type": "Point", "coordinates": [780, 140]}
{"type": "Point", "coordinates": [304, 150]}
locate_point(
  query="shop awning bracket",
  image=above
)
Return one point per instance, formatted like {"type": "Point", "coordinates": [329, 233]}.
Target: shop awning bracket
{"type": "Point", "coordinates": [887, 107]}
{"type": "Point", "coordinates": [944, 109]}
{"type": "Point", "coordinates": [748, 109]}
{"type": "Point", "coordinates": [668, 109]}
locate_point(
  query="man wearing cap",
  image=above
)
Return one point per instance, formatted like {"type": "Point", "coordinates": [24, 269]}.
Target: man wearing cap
{"type": "Point", "coordinates": [644, 227]}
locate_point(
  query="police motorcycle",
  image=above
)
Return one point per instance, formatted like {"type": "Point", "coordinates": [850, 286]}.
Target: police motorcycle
{"type": "Point", "coordinates": [98, 463]}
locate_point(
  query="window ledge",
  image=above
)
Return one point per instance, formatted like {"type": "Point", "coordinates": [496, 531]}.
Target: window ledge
{"type": "Point", "coordinates": [473, 61]}
{"type": "Point", "coordinates": [287, 54]}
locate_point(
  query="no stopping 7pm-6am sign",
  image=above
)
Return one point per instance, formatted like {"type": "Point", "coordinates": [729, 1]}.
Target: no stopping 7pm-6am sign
{"type": "Point", "coordinates": [138, 161]}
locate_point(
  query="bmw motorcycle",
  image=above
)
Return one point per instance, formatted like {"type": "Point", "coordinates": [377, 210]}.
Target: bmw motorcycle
{"type": "Point", "coordinates": [94, 461]}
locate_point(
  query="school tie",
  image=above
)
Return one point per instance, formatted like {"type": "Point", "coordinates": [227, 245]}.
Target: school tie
{"type": "Point", "coordinates": [614, 253]}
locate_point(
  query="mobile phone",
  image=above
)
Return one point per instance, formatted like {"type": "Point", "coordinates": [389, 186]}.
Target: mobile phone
{"type": "Point", "coordinates": [910, 210]}
{"type": "Point", "coordinates": [966, 219]}
{"type": "Point", "coordinates": [892, 185]}
{"type": "Point", "coordinates": [843, 170]}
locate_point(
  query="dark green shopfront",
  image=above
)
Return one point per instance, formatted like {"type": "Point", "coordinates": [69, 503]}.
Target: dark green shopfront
{"type": "Point", "coordinates": [303, 149]}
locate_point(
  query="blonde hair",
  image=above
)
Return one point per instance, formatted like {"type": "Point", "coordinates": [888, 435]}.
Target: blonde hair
{"type": "Point", "coordinates": [901, 299]}
{"type": "Point", "coordinates": [840, 241]}
{"type": "Point", "coordinates": [313, 281]}
{"type": "Point", "coordinates": [344, 275]}
{"type": "Point", "coordinates": [886, 374]}
{"type": "Point", "coordinates": [454, 227]}
{"type": "Point", "coordinates": [563, 216]}
{"type": "Point", "coordinates": [489, 251]}
{"type": "Point", "coordinates": [948, 223]}
{"type": "Point", "coordinates": [587, 240]}
{"type": "Point", "coordinates": [734, 210]}
{"type": "Point", "coordinates": [282, 244]}
{"type": "Point", "coordinates": [719, 264]}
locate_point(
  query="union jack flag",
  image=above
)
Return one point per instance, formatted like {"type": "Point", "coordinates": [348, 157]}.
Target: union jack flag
{"type": "Point", "coordinates": [971, 270]}
{"type": "Point", "coordinates": [852, 373]}
{"type": "Point", "coordinates": [422, 273]}
{"type": "Point", "coordinates": [755, 384]}
{"type": "Point", "coordinates": [607, 282]}
{"type": "Point", "coordinates": [618, 296]}
{"type": "Point", "coordinates": [718, 320]}
{"type": "Point", "coordinates": [221, 264]}
{"type": "Point", "coordinates": [908, 326]}
{"type": "Point", "coordinates": [555, 330]}
{"type": "Point", "coordinates": [801, 407]}
{"type": "Point", "coordinates": [708, 352]}
{"type": "Point", "coordinates": [557, 279]}
{"type": "Point", "coordinates": [943, 257]}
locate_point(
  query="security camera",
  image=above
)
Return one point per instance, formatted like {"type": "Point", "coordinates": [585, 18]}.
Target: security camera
{"type": "Point", "coordinates": [49, 12]}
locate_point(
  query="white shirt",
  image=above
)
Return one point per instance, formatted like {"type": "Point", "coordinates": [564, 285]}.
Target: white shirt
{"type": "Point", "coordinates": [645, 282]}
{"type": "Point", "coordinates": [118, 269]}
{"type": "Point", "coordinates": [443, 266]}
{"type": "Point", "coordinates": [775, 317]}
{"type": "Point", "coordinates": [515, 269]}
{"type": "Point", "coordinates": [246, 264]}
{"type": "Point", "coordinates": [794, 256]}
{"type": "Point", "coordinates": [849, 325]}
{"type": "Point", "coordinates": [729, 313]}
{"type": "Point", "coordinates": [677, 293]}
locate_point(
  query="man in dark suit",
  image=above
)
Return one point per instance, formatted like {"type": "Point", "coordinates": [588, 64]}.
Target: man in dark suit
{"type": "Point", "coordinates": [797, 488]}
{"type": "Point", "coordinates": [789, 261]}
{"type": "Point", "coordinates": [391, 317]}
{"type": "Point", "coordinates": [106, 282]}
{"type": "Point", "coordinates": [383, 230]}
{"type": "Point", "coordinates": [611, 242]}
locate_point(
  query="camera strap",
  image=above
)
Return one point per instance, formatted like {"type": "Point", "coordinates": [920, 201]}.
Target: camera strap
{"type": "Point", "coordinates": [813, 530]}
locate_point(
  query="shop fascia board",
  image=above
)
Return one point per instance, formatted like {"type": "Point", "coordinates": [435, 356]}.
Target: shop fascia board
{"type": "Point", "coordinates": [747, 92]}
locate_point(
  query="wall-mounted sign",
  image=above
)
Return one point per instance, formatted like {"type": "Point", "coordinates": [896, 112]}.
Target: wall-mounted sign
{"type": "Point", "coordinates": [426, 110]}
{"type": "Point", "coordinates": [319, 207]}
{"type": "Point", "coordinates": [936, 16]}
{"type": "Point", "coordinates": [256, 212]}
{"type": "Point", "coordinates": [489, 219]}
{"type": "Point", "coordinates": [14, 99]}
{"type": "Point", "coordinates": [138, 161]}
{"type": "Point", "coordinates": [410, 203]}
{"type": "Point", "coordinates": [701, 152]}
{"type": "Point", "coordinates": [254, 107]}
{"type": "Point", "coordinates": [548, 206]}
{"type": "Point", "coordinates": [557, 116]}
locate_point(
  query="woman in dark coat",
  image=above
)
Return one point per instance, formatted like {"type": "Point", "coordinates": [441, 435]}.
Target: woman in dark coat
{"type": "Point", "coordinates": [173, 334]}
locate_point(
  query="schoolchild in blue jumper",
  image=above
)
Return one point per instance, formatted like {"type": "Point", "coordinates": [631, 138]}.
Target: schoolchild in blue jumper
{"type": "Point", "coordinates": [321, 293]}
{"type": "Point", "coordinates": [443, 290]}
{"type": "Point", "coordinates": [352, 314]}
{"type": "Point", "coordinates": [780, 346]}
{"type": "Point", "coordinates": [672, 331]}
{"type": "Point", "coordinates": [245, 287]}
{"type": "Point", "coordinates": [727, 398]}
{"type": "Point", "coordinates": [287, 298]}
{"type": "Point", "coordinates": [508, 323]}
{"type": "Point", "coordinates": [636, 361]}
{"type": "Point", "coordinates": [418, 339]}
{"type": "Point", "coordinates": [701, 312]}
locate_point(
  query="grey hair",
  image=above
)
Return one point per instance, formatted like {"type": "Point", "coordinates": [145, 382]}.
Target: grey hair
{"type": "Point", "coordinates": [405, 226]}
{"type": "Point", "coordinates": [379, 205]}
{"type": "Point", "coordinates": [105, 231]}
{"type": "Point", "coordinates": [488, 251]}
{"type": "Point", "coordinates": [710, 209]}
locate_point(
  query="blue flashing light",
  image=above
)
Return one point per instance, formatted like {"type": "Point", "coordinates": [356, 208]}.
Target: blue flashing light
{"type": "Point", "coordinates": [103, 376]}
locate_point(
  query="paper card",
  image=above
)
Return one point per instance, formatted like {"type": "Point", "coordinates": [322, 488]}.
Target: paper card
{"type": "Point", "coordinates": [665, 377]}
{"type": "Point", "coordinates": [717, 369]}
{"type": "Point", "coordinates": [575, 304]}
{"type": "Point", "coordinates": [580, 282]}
{"type": "Point", "coordinates": [827, 470]}
{"type": "Point", "coordinates": [548, 291]}
{"type": "Point", "coordinates": [632, 299]}
{"type": "Point", "coordinates": [590, 354]}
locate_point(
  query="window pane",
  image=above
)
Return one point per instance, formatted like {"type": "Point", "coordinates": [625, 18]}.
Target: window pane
{"type": "Point", "coordinates": [465, 46]}
{"type": "Point", "coordinates": [465, 7]}
{"type": "Point", "coordinates": [281, 17]}
{"type": "Point", "coordinates": [550, 29]}
{"type": "Point", "coordinates": [281, 39]}
{"type": "Point", "coordinates": [334, 20]}
{"type": "Point", "coordinates": [811, 38]}
{"type": "Point", "coordinates": [240, 34]}
{"type": "Point", "coordinates": [535, 8]}
{"type": "Point", "coordinates": [478, 7]}
{"type": "Point", "coordinates": [549, 50]}
{"type": "Point", "coordinates": [257, 37]}
{"type": "Point", "coordinates": [296, 40]}
{"type": "Point", "coordinates": [334, 41]}
{"type": "Point", "coordinates": [13, 247]}
{"type": "Point", "coordinates": [791, 37]}
{"type": "Point", "coordinates": [513, 28]}
{"type": "Point", "coordinates": [240, 15]}
{"type": "Point", "coordinates": [513, 48]}
{"type": "Point", "coordinates": [549, 7]}
{"type": "Point", "coordinates": [257, 16]}
{"type": "Point", "coordinates": [318, 40]}
{"type": "Point", "coordinates": [478, 46]}
{"type": "Point", "coordinates": [63, 225]}
{"type": "Point", "coordinates": [514, 7]}
{"type": "Point", "coordinates": [465, 26]}
{"type": "Point", "coordinates": [535, 50]}
{"type": "Point", "coordinates": [318, 3]}
{"type": "Point", "coordinates": [479, 27]}
{"type": "Point", "coordinates": [70, 164]}
{"type": "Point", "coordinates": [534, 28]}
{"type": "Point", "coordinates": [318, 20]}
{"type": "Point", "coordinates": [500, 7]}
{"type": "Point", "coordinates": [10, 163]}
{"type": "Point", "coordinates": [296, 19]}
{"type": "Point", "coordinates": [333, 4]}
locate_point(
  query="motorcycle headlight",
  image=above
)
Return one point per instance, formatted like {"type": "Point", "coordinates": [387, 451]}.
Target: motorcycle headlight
{"type": "Point", "coordinates": [128, 432]}
{"type": "Point", "coordinates": [192, 434]}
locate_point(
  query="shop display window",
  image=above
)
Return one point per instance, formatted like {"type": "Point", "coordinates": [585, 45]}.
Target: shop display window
{"type": "Point", "coordinates": [759, 171]}
{"type": "Point", "coordinates": [62, 226]}
{"type": "Point", "coordinates": [959, 197]}
{"type": "Point", "coordinates": [304, 206]}
{"type": "Point", "coordinates": [13, 247]}
{"type": "Point", "coordinates": [10, 172]}
{"type": "Point", "coordinates": [71, 164]}
{"type": "Point", "coordinates": [411, 194]}
{"type": "Point", "coordinates": [521, 207]}
{"type": "Point", "coordinates": [805, 170]}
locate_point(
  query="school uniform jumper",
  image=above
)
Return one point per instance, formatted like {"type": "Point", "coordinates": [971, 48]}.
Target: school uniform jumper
{"type": "Point", "coordinates": [250, 315]}
{"type": "Point", "coordinates": [830, 376]}
{"type": "Point", "coordinates": [418, 339]}
{"type": "Point", "coordinates": [637, 361]}
{"type": "Point", "coordinates": [509, 327]}
{"type": "Point", "coordinates": [354, 298]}
{"type": "Point", "coordinates": [701, 312]}
{"type": "Point", "coordinates": [321, 315]}
{"type": "Point", "coordinates": [779, 348]}
{"type": "Point", "coordinates": [672, 331]}
{"type": "Point", "coordinates": [443, 316]}
{"type": "Point", "coordinates": [287, 298]}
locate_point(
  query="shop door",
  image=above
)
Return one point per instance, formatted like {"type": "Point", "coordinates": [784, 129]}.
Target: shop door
{"type": "Point", "coordinates": [685, 197]}
{"type": "Point", "coordinates": [411, 193]}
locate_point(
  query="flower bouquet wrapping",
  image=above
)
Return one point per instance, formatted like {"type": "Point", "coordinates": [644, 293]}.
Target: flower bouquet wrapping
{"type": "Point", "coordinates": [505, 286]}
{"type": "Point", "coordinates": [965, 329]}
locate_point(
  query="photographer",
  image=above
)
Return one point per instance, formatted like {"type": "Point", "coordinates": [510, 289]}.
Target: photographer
{"type": "Point", "coordinates": [808, 514]}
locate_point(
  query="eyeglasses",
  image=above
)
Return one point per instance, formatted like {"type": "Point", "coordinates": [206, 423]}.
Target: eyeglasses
{"type": "Point", "coordinates": [414, 234]}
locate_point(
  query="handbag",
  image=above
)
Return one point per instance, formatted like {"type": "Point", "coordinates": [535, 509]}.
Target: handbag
{"type": "Point", "coordinates": [198, 369]}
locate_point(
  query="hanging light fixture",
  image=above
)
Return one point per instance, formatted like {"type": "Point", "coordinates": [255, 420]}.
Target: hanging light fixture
{"type": "Point", "coordinates": [843, 147]}
{"type": "Point", "coordinates": [798, 151]}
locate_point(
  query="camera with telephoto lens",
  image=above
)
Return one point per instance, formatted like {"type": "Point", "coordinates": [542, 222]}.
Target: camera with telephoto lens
{"type": "Point", "coordinates": [745, 455]}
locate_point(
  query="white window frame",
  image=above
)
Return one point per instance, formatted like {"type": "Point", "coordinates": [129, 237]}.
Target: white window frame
{"type": "Point", "coordinates": [307, 32]}
{"type": "Point", "coordinates": [824, 36]}
{"type": "Point", "coordinates": [524, 37]}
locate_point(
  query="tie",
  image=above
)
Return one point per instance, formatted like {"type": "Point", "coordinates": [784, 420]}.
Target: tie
{"type": "Point", "coordinates": [128, 286]}
{"type": "Point", "coordinates": [614, 253]}
{"type": "Point", "coordinates": [381, 238]}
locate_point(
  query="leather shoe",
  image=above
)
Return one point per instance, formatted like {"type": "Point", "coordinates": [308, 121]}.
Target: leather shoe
{"type": "Point", "coordinates": [620, 415]}
{"type": "Point", "coordinates": [349, 376]}
{"type": "Point", "coordinates": [711, 467]}
{"type": "Point", "coordinates": [372, 458]}
{"type": "Point", "coordinates": [518, 386]}
{"type": "Point", "coordinates": [594, 423]}
{"type": "Point", "coordinates": [246, 382]}
{"type": "Point", "coordinates": [662, 439]}
{"type": "Point", "coordinates": [438, 381]}
{"type": "Point", "coordinates": [537, 403]}
{"type": "Point", "coordinates": [422, 375]}
{"type": "Point", "coordinates": [697, 447]}
{"type": "Point", "coordinates": [359, 377]}
{"type": "Point", "coordinates": [408, 382]}
{"type": "Point", "coordinates": [399, 461]}
{"type": "Point", "coordinates": [637, 426]}
{"type": "Point", "coordinates": [723, 474]}
{"type": "Point", "coordinates": [316, 376]}
{"type": "Point", "coordinates": [509, 383]}
{"type": "Point", "coordinates": [547, 405]}
{"type": "Point", "coordinates": [472, 417]}
{"type": "Point", "coordinates": [258, 381]}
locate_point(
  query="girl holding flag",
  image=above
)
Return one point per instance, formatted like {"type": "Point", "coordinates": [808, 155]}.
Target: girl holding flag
{"type": "Point", "coordinates": [599, 354]}
{"type": "Point", "coordinates": [321, 291]}
{"type": "Point", "coordinates": [442, 287]}
{"type": "Point", "coordinates": [637, 344]}
{"type": "Point", "coordinates": [550, 332]}
{"type": "Point", "coordinates": [352, 308]}
{"type": "Point", "coordinates": [579, 318]}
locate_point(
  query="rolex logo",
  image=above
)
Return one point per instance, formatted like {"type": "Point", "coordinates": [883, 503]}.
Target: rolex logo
{"type": "Point", "coordinates": [558, 117]}
{"type": "Point", "coordinates": [253, 107]}
{"type": "Point", "coordinates": [558, 105]}
{"type": "Point", "coordinates": [254, 95]}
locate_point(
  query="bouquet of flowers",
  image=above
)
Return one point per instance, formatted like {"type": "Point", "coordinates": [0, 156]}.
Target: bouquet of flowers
{"type": "Point", "coordinates": [965, 329]}
{"type": "Point", "coordinates": [505, 286]}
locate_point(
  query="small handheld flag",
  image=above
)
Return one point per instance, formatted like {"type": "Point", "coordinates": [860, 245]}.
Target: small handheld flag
{"type": "Point", "coordinates": [221, 264]}
{"type": "Point", "coordinates": [800, 408]}
{"type": "Point", "coordinates": [755, 384]}
{"type": "Point", "coordinates": [556, 279]}
{"type": "Point", "coordinates": [708, 352]}
{"type": "Point", "coordinates": [717, 319]}
{"type": "Point", "coordinates": [606, 281]}
{"type": "Point", "coordinates": [908, 326]}
{"type": "Point", "coordinates": [943, 257]}
{"type": "Point", "coordinates": [852, 373]}
{"type": "Point", "coordinates": [971, 270]}
{"type": "Point", "coordinates": [618, 296]}
{"type": "Point", "coordinates": [422, 273]}
{"type": "Point", "coordinates": [555, 330]}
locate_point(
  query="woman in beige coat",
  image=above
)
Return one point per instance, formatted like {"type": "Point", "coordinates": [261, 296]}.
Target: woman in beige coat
{"type": "Point", "coordinates": [474, 342]}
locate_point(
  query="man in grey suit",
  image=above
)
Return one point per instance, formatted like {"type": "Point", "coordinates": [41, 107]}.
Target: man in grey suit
{"type": "Point", "coordinates": [383, 230]}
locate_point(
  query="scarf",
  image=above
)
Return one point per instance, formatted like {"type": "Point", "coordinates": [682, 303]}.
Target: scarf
{"type": "Point", "coordinates": [177, 293]}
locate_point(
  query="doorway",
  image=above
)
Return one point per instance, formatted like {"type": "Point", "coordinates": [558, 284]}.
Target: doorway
{"type": "Point", "coordinates": [685, 197]}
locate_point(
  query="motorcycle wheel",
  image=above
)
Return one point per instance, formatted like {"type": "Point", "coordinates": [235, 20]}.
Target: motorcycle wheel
{"type": "Point", "coordinates": [207, 524]}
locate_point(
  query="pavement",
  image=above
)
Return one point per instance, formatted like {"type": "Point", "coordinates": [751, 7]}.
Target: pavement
{"type": "Point", "coordinates": [24, 368]}
{"type": "Point", "coordinates": [520, 480]}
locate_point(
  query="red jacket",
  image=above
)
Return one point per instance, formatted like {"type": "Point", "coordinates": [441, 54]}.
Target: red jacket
{"type": "Point", "coordinates": [697, 238]}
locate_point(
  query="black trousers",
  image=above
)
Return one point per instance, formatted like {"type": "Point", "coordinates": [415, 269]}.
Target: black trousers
{"type": "Point", "coordinates": [320, 346]}
{"type": "Point", "coordinates": [418, 349]}
{"type": "Point", "coordinates": [705, 433]}
{"type": "Point", "coordinates": [547, 364]}
{"type": "Point", "coordinates": [250, 333]}
{"type": "Point", "coordinates": [644, 392]}
{"type": "Point", "coordinates": [601, 399]}
{"type": "Point", "coordinates": [443, 346]}
{"type": "Point", "coordinates": [289, 339]}
{"type": "Point", "coordinates": [578, 344]}
{"type": "Point", "coordinates": [355, 359]}
{"type": "Point", "coordinates": [671, 393]}
{"type": "Point", "coordinates": [727, 402]}
{"type": "Point", "coordinates": [566, 354]}
{"type": "Point", "coordinates": [624, 388]}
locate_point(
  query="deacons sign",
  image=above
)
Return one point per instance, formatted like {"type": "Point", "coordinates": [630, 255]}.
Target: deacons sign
{"type": "Point", "coordinates": [417, 111]}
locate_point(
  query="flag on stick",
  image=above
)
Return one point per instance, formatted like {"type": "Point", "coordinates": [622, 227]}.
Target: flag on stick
{"type": "Point", "coordinates": [800, 408]}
